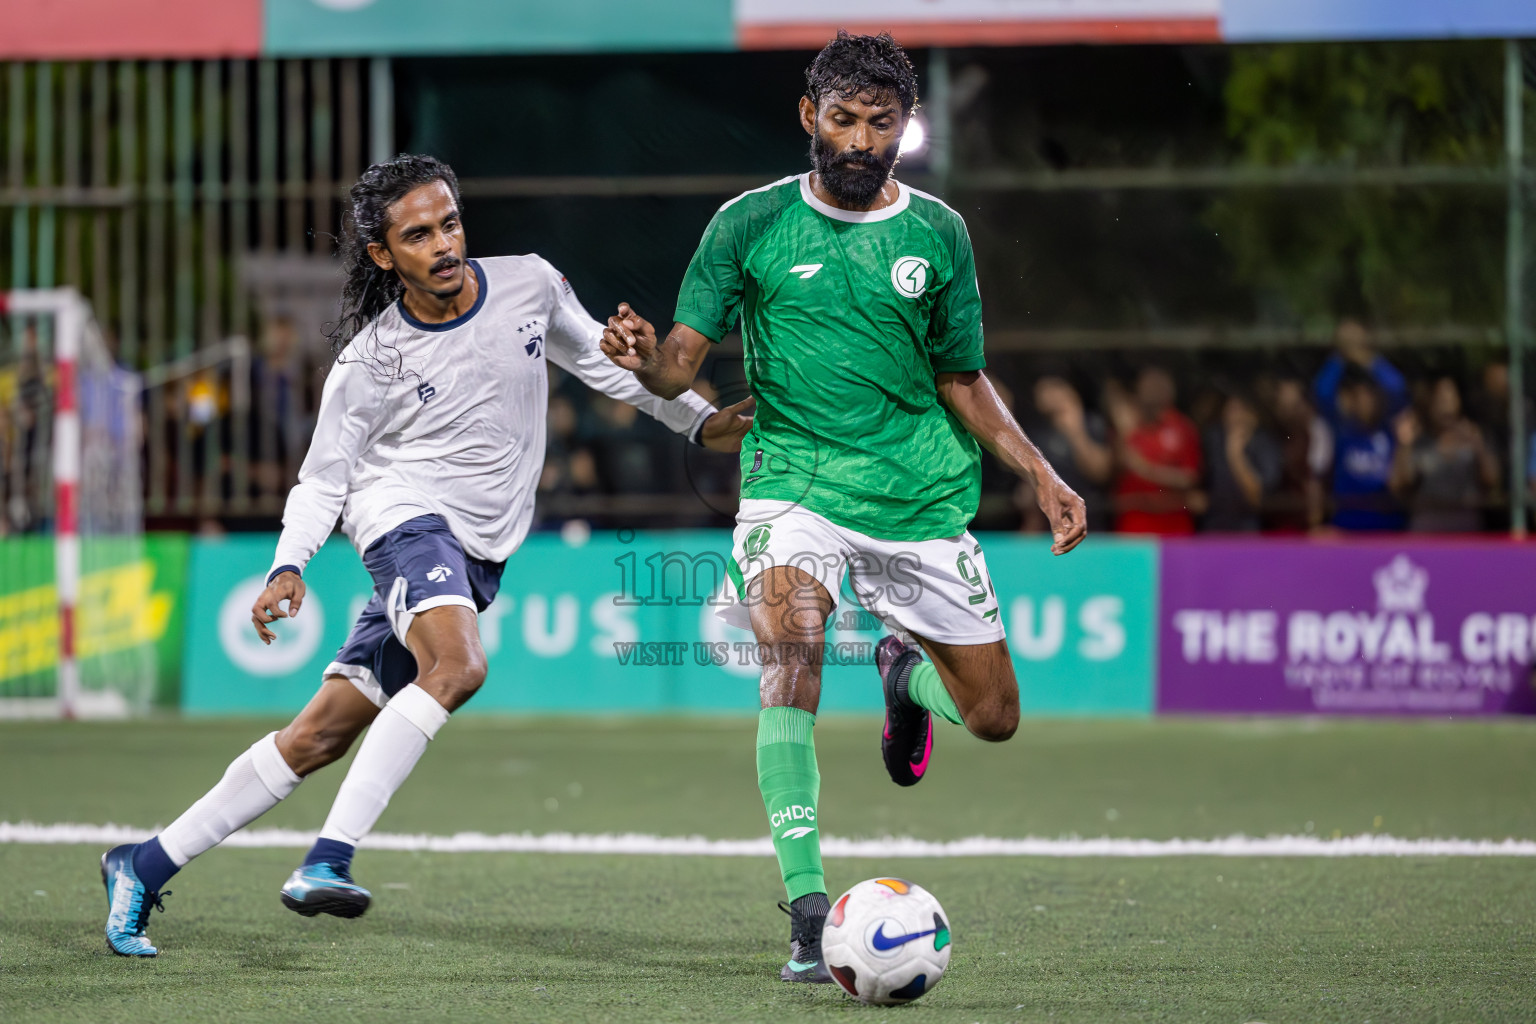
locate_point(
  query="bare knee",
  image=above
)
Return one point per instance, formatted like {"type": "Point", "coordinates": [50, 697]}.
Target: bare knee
{"type": "Point", "coordinates": [454, 680]}
{"type": "Point", "coordinates": [993, 721]}
{"type": "Point", "coordinates": [308, 747]}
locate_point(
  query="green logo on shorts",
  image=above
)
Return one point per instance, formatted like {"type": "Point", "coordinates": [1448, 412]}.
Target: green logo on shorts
{"type": "Point", "coordinates": [757, 540]}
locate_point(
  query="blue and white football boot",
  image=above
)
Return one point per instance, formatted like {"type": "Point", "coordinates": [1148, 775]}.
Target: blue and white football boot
{"type": "Point", "coordinates": [325, 889]}
{"type": "Point", "coordinates": [128, 904]}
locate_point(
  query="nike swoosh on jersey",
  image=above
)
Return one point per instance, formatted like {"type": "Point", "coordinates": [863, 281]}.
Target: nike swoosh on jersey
{"type": "Point", "coordinates": [882, 941]}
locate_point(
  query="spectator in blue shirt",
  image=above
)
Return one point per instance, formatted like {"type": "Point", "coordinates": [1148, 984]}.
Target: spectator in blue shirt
{"type": "Point", "coordinates": [1358, 392]}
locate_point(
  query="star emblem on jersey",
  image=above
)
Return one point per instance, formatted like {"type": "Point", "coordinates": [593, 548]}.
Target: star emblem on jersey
{"type": "Point", "coordinates": [909, 276]}
{"type": "Point", "coordinates": [439, 573]}
{"type": "Point", "coordinates": [534, 330]}
{"type": "Point", "coordinates": [805, 270]}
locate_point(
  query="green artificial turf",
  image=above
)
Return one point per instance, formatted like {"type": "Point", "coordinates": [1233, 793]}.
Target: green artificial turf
{"type": "Point", "coordinates": [558, 938]}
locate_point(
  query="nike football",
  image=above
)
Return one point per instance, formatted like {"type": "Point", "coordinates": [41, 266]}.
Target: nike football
{"type": "Point", "coordinates": [886, 941]}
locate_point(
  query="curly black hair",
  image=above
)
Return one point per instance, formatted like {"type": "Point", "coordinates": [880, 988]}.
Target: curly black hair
{"type": "Point", "coordinates": [369, 288]}
{"type": "Point", "coordinates": [850, 65]}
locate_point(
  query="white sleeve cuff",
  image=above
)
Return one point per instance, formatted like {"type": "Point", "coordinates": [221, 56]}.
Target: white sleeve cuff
{"type": "Point", "coordinates": [701, 409]}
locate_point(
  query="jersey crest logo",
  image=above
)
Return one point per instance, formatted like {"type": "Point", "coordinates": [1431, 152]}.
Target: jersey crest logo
{"type": "Point", "coordinates": [805, 270]}
{"type": "Point", "coordinates": [909, 276]}
{"type": "Point", "coordinates": [439, 573]}
{"type": "Point", "coordinates": [533, 331]}
{"type": "Point", "coordinates": [425, 391]}
{"type": "Point", "coordinates": [757, 541]}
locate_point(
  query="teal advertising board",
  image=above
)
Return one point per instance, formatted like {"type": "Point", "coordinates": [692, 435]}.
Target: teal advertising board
{"type": "Point", "coordinates": [616, 626]}
{"type": "Point", "coordinates": [1082, 627]}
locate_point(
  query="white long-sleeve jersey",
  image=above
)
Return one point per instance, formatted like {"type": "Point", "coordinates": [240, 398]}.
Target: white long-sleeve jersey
{"type": "Point", "coordinates": [448, 418]}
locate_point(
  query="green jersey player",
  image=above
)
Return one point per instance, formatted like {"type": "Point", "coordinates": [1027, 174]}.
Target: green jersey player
{"type": "Point", "coordinates": [861, 323]}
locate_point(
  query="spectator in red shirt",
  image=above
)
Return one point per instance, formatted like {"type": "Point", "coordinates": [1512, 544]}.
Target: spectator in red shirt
{"type": "Point", "coordinates": [1157, 449]}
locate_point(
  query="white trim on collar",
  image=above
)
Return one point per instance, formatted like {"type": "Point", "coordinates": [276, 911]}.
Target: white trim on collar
{"type": "Point", "coordinates": [903, 198]}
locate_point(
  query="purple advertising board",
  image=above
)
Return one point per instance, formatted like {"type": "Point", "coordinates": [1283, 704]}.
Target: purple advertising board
{"type": "Point", "coordinates": [1347, 627]}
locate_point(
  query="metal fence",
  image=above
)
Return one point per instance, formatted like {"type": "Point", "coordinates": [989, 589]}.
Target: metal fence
{"type": "Point", "coordinates": [191, 203]}
{"type": "Point", "coordinates": [194, 204]}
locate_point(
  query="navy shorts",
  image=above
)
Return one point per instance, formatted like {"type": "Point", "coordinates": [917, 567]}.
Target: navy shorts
{"type": "Point", "coordinates": [417, 565]}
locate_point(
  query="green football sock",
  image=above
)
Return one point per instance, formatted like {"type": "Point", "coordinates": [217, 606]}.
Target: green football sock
{"type": "Point", "coordinates": [926, 690]}
{"type": "Point", "coordinates": [790, 784]}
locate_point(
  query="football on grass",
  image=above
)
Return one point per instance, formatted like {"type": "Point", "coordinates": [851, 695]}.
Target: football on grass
{"type": "Point", "coordinates": [886, 941]}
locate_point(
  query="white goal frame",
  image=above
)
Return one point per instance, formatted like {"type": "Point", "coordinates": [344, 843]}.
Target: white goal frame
{"type": "Point", "coordinates": [74, 329]}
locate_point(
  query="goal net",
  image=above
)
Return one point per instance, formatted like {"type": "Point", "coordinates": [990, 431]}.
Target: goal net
{"type": "Point", "coordinates": [77, 604]}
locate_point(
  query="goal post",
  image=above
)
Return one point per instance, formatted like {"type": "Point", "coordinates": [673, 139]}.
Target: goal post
{"type": "Point", "coordinates": [76, 641]}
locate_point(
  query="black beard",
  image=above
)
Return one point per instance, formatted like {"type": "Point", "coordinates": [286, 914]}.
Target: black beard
{"type": "Point", "coordinates": [854, 179]}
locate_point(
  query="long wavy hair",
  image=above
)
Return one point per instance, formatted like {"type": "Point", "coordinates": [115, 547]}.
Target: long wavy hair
{"type": "Point", "coordinates": [369, 288]}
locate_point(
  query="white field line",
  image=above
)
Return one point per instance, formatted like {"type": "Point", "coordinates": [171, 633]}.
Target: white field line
{"type": "Point", "coordinates": [1367, 845]}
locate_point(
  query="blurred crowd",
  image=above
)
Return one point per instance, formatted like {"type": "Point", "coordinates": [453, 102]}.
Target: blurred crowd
{"type": "Point", "coordinates": [610, 464]}
{"type": "Point", "coordinates": [1357, 446]}
{"type": "Point", "coordinates": [1354, 444]}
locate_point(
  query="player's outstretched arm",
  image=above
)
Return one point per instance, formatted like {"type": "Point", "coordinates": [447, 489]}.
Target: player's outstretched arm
{"type": "Point", "coordinates": [973, 400]}
{"type": "Point", "coordinates": [665, 367]}
{"type": "Point", "coordinates": [349, 406]}
{"type": "Point", "coordinates": [570, 347]}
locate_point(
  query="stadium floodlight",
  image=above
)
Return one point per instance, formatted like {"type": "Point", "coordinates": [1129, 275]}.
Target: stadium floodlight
{"type": "Point", "coordinates": [82, 643]}
{"type": "Point", "coordinates": [915, 137]}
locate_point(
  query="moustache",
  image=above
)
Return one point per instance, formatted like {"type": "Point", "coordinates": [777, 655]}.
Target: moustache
{"type": "Point", "coordinates": [447, 262]}
{"type": "Point", "coordinates": [857, 159]}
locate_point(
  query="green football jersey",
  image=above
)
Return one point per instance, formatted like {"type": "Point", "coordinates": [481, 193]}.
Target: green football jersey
{"type": "Point", "coordinates": [845, 319]}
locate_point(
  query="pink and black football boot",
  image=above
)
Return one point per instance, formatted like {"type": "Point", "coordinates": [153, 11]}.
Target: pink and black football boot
{"type": "Point", "coordinates": [907, 742]}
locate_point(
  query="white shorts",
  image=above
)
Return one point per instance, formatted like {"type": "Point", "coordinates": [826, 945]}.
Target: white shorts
{"type": "Point", "coordinates": [937, 589]}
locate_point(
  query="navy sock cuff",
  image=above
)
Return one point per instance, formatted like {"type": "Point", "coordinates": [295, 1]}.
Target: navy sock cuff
{"type": "Point", "coordinates": [153, 865]}
{"type": "Point", "coordinates": [330, 851]}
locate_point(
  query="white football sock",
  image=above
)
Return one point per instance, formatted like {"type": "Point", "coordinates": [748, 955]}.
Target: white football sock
{"type": "Point", "coordinates": [252, 785]}
{"type": "Point", "coordinates": [394, 744]}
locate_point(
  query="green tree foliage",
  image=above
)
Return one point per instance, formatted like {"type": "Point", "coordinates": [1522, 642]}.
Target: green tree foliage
{"type": "Point", "coordinates": [1401, 255]}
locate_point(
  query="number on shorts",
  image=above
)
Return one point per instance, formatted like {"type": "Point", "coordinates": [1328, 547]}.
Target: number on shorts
{"type": "Point", "coordinates": [974, 577]}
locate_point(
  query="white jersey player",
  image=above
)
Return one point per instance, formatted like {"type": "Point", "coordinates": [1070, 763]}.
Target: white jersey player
{"type": "Point", "coordinates": [429, 446]}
